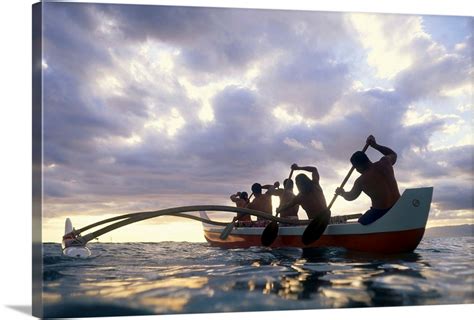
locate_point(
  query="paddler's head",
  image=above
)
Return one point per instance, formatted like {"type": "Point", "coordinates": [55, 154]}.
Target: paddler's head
{"type": "Point", "coordinates": [360, 161]}
{"type": "Point", "coordinates": [288, 184]}
{"type": "Point", "coordinates": [244, 195]}
{"type": "Point", "coordinates": [257, 188]}
{"type": "Point", "coordinates": [304, 184]}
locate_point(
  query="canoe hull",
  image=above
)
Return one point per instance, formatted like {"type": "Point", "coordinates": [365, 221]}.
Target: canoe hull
{"type": "Point", "coordinates": [383, 242]}
{"type": "Point", "coordinates": [399, 230]}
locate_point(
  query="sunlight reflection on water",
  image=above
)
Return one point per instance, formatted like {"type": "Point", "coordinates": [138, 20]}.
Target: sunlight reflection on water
{"type": "Point", "coordinates": [173, 277]}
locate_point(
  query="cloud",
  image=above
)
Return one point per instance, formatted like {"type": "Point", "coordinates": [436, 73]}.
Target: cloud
{"type": "Point", "coordinates": [166, 106]}
{"type": "Point", "coordinates": [386, 38]}
{"type": "Point", "coordinates": [309, 82]}
{"type": "Point", "coordinates": [293, 143]}
{"type": "Point", "coordinates": [454, 197]}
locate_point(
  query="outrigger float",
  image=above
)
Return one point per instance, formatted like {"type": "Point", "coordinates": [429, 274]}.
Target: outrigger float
{"type": "Point", "coordinates": [399, 230]}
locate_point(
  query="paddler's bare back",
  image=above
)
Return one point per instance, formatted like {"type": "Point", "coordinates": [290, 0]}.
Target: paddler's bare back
{"type": "Point", "coordinates": [261, 203]}
{"type": "Point", "coordinates": [310, 195]}
{"type": "Point", "coordinates": [313, 203]}
{"type": "Point", "coordinates": [286, 197]}
{"type": "Point", "coordinates": [380, 185]}
{"type": "Point", "coordinates": [240, 203]}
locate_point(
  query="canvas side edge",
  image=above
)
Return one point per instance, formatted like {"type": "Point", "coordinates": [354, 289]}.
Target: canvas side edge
{"type": "Point", "coordinates": [37, 161]}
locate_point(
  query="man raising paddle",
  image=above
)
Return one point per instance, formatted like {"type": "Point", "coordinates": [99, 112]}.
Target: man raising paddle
{"type": "Point", "coordinates": [310, 196]}
{"type": "Point", "coordinates": [377, 180]}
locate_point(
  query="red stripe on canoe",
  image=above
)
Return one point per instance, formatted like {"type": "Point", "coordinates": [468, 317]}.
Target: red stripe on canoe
{"type": "Point", "coordinates": [383, 242]}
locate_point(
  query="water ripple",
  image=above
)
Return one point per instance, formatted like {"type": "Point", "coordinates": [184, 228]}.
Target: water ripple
{"type": "Point", "coordinates": [171, 277]}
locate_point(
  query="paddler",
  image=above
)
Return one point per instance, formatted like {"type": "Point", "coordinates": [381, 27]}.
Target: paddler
{"type": "Point", "coordinates": [310, 196]}
{"type": "Point", "coordinates": [262, 201]}
{"type": "Point", "coordinates": [376, 179]}
{"type": "Point", "coordinates": [241, 200]}
{"type": "Point", "coordinates": [286, 195]}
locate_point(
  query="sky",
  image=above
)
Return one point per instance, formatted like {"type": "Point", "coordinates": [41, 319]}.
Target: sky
{"type": "Point", "coordinates": [151, 107]}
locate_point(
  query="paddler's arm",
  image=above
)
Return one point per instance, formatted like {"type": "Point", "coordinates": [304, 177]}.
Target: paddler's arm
{"type": "Point", "coordinates": [276, 192]}
{"type": "Point", "coordinates": [274, 189]}
{"type": "Point", "coordinates": [353, 194]}
{"type": "Point", "coordinates": [235, 197]}
{"type": "Point", "coordinates": [313, 170]}
{"type": "Point", "coordinates": [271, 187]}
{"type": "Point", "coordinates": [293, 202]}
{"type": "Point", "coordinates": [386, 151]}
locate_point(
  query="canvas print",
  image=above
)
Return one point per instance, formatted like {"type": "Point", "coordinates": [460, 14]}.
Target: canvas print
{"type": "Point", "coordinates": [201, 160]}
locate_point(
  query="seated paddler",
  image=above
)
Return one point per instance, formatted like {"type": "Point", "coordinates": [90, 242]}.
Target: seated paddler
{"type": "Point", "coordinates": [310, 197]}
{"type": "Point", "coordinates": [286, 195]}
{"type": "Point", "coordinates": [262, 201]}
{"type": "Point", "coordinates": [241, 200]}
{"type": "Point", "coordinates": [377, 180]}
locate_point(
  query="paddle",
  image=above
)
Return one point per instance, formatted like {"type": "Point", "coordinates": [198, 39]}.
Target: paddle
{"type": "Point", "coordinates": [316, 227]}
{"type": "Point", "coordinates": [228, 229]}
{"type": "Point", "coordinates": [270, 233]}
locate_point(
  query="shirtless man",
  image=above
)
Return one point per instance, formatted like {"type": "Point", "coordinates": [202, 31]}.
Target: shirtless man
{"type": "Point", "coordinates": [377, 180]}
{"type": "Point", "coordinates": [286, 195]}
{"type": "Point", "coordinates": [241, 200]}
{"type": "Point", "coordinates": [310, 196]}
{"type": "Point", "coordinates": [262, 202]}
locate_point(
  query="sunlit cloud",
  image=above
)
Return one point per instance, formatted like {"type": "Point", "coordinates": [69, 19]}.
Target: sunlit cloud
{"type": "Point", "coordinates": [284, 114]}
{"type": "Point", "coordinates": [149, 109]}
{"type": "Point", "coordinates": [387, 39]}
{"type": "Point", "coordinates": [133, 139]}
{"type": "Point", "coordinates": [413, 116]}
{"type": "Point", "coordinates": [293, 143]}
{"type": "Point", "coordinates": [318, 145]}
{"type": "Point", "coordinates": [169, 124]}
{"type": "Point", "coordinates": [463, 90]}
{"type": "Point", "coordinates": [110, 85]}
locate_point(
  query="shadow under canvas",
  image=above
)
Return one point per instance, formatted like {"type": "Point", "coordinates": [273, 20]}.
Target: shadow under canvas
{"type": "Point", "coordinates": [22, 309]}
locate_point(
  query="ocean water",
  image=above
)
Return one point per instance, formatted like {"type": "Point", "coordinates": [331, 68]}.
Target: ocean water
{"type": "Point", "coordinates": [181, 277]}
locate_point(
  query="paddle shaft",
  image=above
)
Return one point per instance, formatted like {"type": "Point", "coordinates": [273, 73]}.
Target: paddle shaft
{"type": "Point", "coordinates": [270, 233]}
{"type": "Point", "coordinates": [230, 226]}
{"type": "Point", "coordinates": [289, 177]}
{"type": "Point", "coordinates": [346, 179]}
{"type": "Point", "coordinates": [248, 200]}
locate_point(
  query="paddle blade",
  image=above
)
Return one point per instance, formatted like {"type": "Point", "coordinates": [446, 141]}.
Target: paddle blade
{"type": "Point", "coordinates": [314, 230]}
{"type": "Point", "coordinates": [227, 230]}
{"type": "Point", "coordinates": [269, 234]}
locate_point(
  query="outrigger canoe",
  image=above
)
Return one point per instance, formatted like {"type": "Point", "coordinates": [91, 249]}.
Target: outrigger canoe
{"type": "Point", "coordinates": [399, 230]}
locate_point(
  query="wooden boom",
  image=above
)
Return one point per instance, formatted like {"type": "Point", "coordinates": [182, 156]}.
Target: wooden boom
{"type": "Point", "coordinates": [177, 212]}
